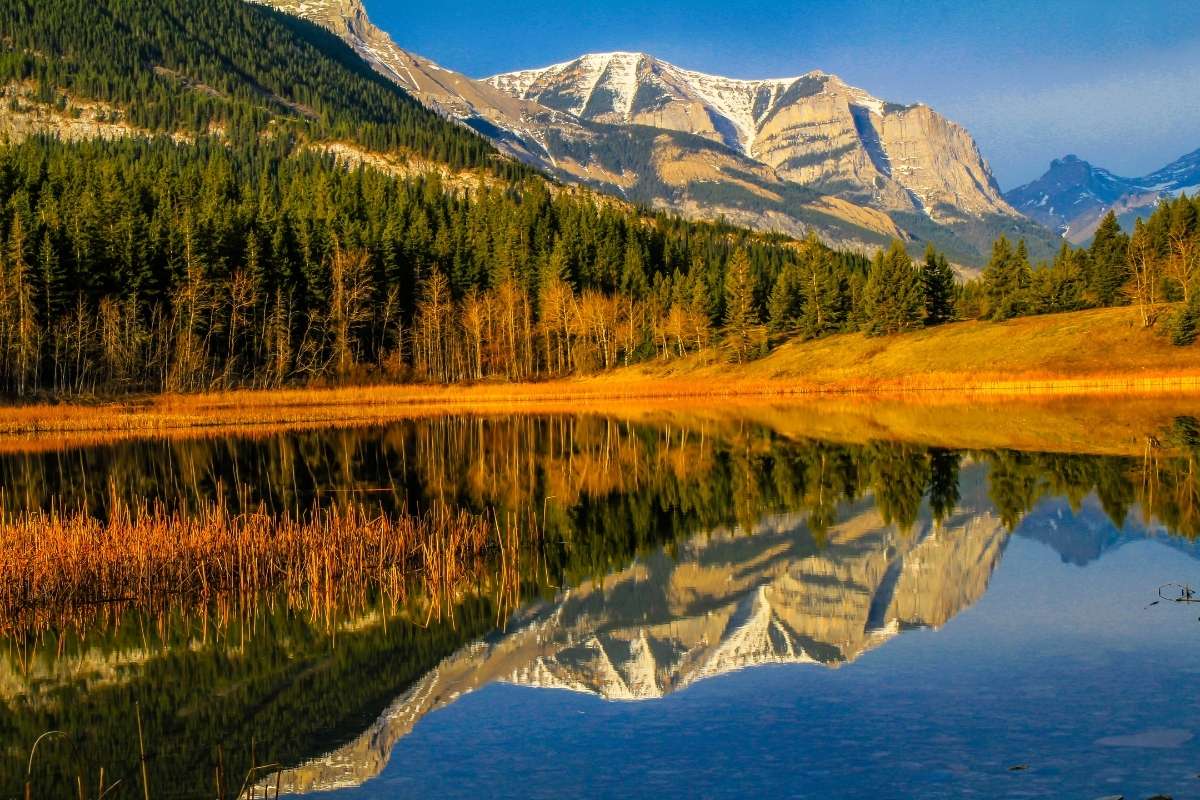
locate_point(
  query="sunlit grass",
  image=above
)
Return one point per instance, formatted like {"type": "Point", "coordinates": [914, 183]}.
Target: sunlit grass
{"type": "Point", "coordinates": [1103, 353]}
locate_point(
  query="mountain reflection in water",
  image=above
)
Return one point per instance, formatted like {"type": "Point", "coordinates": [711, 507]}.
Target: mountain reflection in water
{"type": "Point", "coordinates": [671, 553]}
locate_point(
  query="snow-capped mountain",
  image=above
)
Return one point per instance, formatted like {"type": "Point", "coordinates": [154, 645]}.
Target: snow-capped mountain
{"type": "Point", "coordinates": [814, 130]}
{"type": "Point", "coordinates": [793, 155]}
{"type": "Point", "coordinates": [516, 127]}
{"type": "Point", "coordinates": [1073, 196]}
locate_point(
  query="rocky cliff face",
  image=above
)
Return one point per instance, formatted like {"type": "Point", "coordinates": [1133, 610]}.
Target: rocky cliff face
{"type": "Point", "coordinates": [724, 601]}
{"type": "Point", "coordinates": [814, 130]}
{"type": "Point", "coordinates": [1073, 196]}
{"type": "Point", "coordinates": [786, 155]}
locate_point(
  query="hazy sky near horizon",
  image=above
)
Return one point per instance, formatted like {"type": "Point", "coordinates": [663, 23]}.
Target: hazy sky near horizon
{"type": "Point", "coordinates": [1117, 83]}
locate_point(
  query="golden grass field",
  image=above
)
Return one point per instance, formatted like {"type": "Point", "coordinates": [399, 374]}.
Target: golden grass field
{"type": "Point", "coordinates": [1091, 381]}
{"type": "Point", "coordinates": [1097, 350]}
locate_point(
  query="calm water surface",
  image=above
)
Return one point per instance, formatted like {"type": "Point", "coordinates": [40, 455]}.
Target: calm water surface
{"type": "Point", "coordinates": [714, 610]}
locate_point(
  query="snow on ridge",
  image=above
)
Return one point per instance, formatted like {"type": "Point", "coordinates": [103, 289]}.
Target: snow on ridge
{"type": "Point", "coordinates": [621, 69]}
{"type": "Point", "coordinates": [735, 99]}
{"type": "Point", "coordinates": [743, 103]}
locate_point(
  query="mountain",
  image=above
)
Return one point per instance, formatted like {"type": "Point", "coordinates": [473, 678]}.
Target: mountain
{"type": "Point", "coordinates": [784, 155]}
{"type": "Point", "coordinates": [665, 169]}
{"type": "Point", "coordinates": [814, 130]}
{"type": "Point", "coordinates": [263, 151]}
{"type": "Point", "coordinates": [515, 126]}
{"type": "Point", "coordinates": [1074, 196]}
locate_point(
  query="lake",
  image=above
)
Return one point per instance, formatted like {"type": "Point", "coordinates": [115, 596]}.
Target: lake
{"type": "Point", "coordinates": [698, 607]}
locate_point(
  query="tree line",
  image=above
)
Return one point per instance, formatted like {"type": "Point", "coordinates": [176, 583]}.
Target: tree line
{"type": "Point", "coordinates": [151, 265]}
{"type": "Point", "coordinates": [140, 265]}
{"type": "Point", "coordinates": [1155, 268]}
{"type": "Point", "coordinates": [240, 256]}
{"type": "Point", "coordinates": [240, 70]}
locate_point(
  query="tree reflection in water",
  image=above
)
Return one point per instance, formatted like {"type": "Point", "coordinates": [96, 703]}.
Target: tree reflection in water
{"type": "Point", "coordinates": [658, 545]}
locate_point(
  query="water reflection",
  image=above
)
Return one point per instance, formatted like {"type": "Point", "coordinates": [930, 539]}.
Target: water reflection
{"type": "Point", "coordinates": [669, 553]}
{"type": "Point", "coordinates": [721, 601]}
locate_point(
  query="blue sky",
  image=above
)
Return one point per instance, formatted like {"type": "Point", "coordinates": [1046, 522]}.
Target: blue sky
{"type": "Point", "coordinates": [1117, 83]}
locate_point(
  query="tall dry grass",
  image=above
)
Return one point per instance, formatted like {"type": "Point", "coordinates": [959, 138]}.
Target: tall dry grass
{"type": "Point", "coordinates": [67, 569]}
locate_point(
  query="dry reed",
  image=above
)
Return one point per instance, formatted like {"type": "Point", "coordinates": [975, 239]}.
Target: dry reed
{"type": "Point", "coordinates": [61, 569]}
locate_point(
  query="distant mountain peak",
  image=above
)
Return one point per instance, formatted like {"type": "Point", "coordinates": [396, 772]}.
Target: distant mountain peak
{"type": "Point", "coordinates": [1073, 195]}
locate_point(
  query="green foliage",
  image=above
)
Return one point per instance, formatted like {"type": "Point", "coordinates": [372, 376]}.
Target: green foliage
{"type": "Point", "coordinates": [829, 286]}
{"type": "Point", "coordinates": [813, 293]}
{"type": "Point", "coordinates": [741, 315]}
{"type": "Point", "coordinates": [1108, 268]}
{"type": "Point", "coordinates": [786, 303]}
{"type": "Point", "coordinates": [1183, 324]}
{"type": "Point", "coordinates": [1060, 286]}
{"type": "Point", "coordinates": [938, 282]}
{"type": "Point", "coordinates": [245, 257]}
{"type": "Point", "coordinates": [1007, 281]}
{"type": "Point", "coordinates": [893, 298]}
{"type": "Point", "coordinates": [197, 66]}
{"type": "Point", "coordinates": [144, 235]}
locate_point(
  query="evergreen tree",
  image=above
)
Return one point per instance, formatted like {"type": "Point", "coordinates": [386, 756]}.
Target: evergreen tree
{"type": "Point", "coordinates": [827, 297]}
{"type": "Point", "coordinates": [633, 273]}
{"type": "Point", "coordinates": [1066, 281]}
{"type": "Point", "coordinates": [1183, 324]}
{"type": "Point", "coordinates": [1109, 268]}
{"type": "Point", "coordinates": [938, 281]}
{"type": "Point", "coordinates": [786, 303]}
{"type": "Point", "coordinates": [893, 295]}
{"type": "Point", "coordinates": [741, 317]}
{"type": "Point", "coordinates": [1006, 282]}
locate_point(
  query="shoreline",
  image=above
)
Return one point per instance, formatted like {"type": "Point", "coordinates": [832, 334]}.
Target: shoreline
{"type": "Point", "coordinates": [265, 406]}
{"type": "Point", "coordinates": [1076, 364]}
{"type": "Point", "coordinates": [1099, 416]}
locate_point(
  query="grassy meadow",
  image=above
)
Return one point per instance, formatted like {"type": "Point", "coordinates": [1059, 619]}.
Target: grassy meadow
{"type": "Point", "coordinates": [992, 382]}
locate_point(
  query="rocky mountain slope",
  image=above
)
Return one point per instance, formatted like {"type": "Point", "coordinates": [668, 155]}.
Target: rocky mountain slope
{"type": "Point", "coordinates": [813, 130]}
{"type": "Point", "coordinates": [665, 169]}
{"type": "Point", "coordinates": [783, 155]}
{"type": "Point", "coordinates": [1074, 196]}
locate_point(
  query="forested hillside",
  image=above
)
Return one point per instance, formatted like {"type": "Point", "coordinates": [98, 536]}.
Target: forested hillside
{"type": "Point", "coordinates": [1155, 268]}
{"type": "Point", "coordinates": [223, 66]}
{"type": "Point", "coordinates": [239, 256]}
{"type": "Point", "coordinates": [161, 266]}
{"type": "Point", "coordinates": [243, 253]}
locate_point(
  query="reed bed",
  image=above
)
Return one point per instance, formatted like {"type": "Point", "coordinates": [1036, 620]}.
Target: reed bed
{"type": "Point", "coordinates": [62, 569]}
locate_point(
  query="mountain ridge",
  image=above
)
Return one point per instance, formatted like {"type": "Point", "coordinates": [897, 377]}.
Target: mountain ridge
{"type": "Point", "coordinates": [746, 115]}
{"type": "Point", "coordinates": [1073, 195]}
{"type": "Point", "coordinates": [780, 155]}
